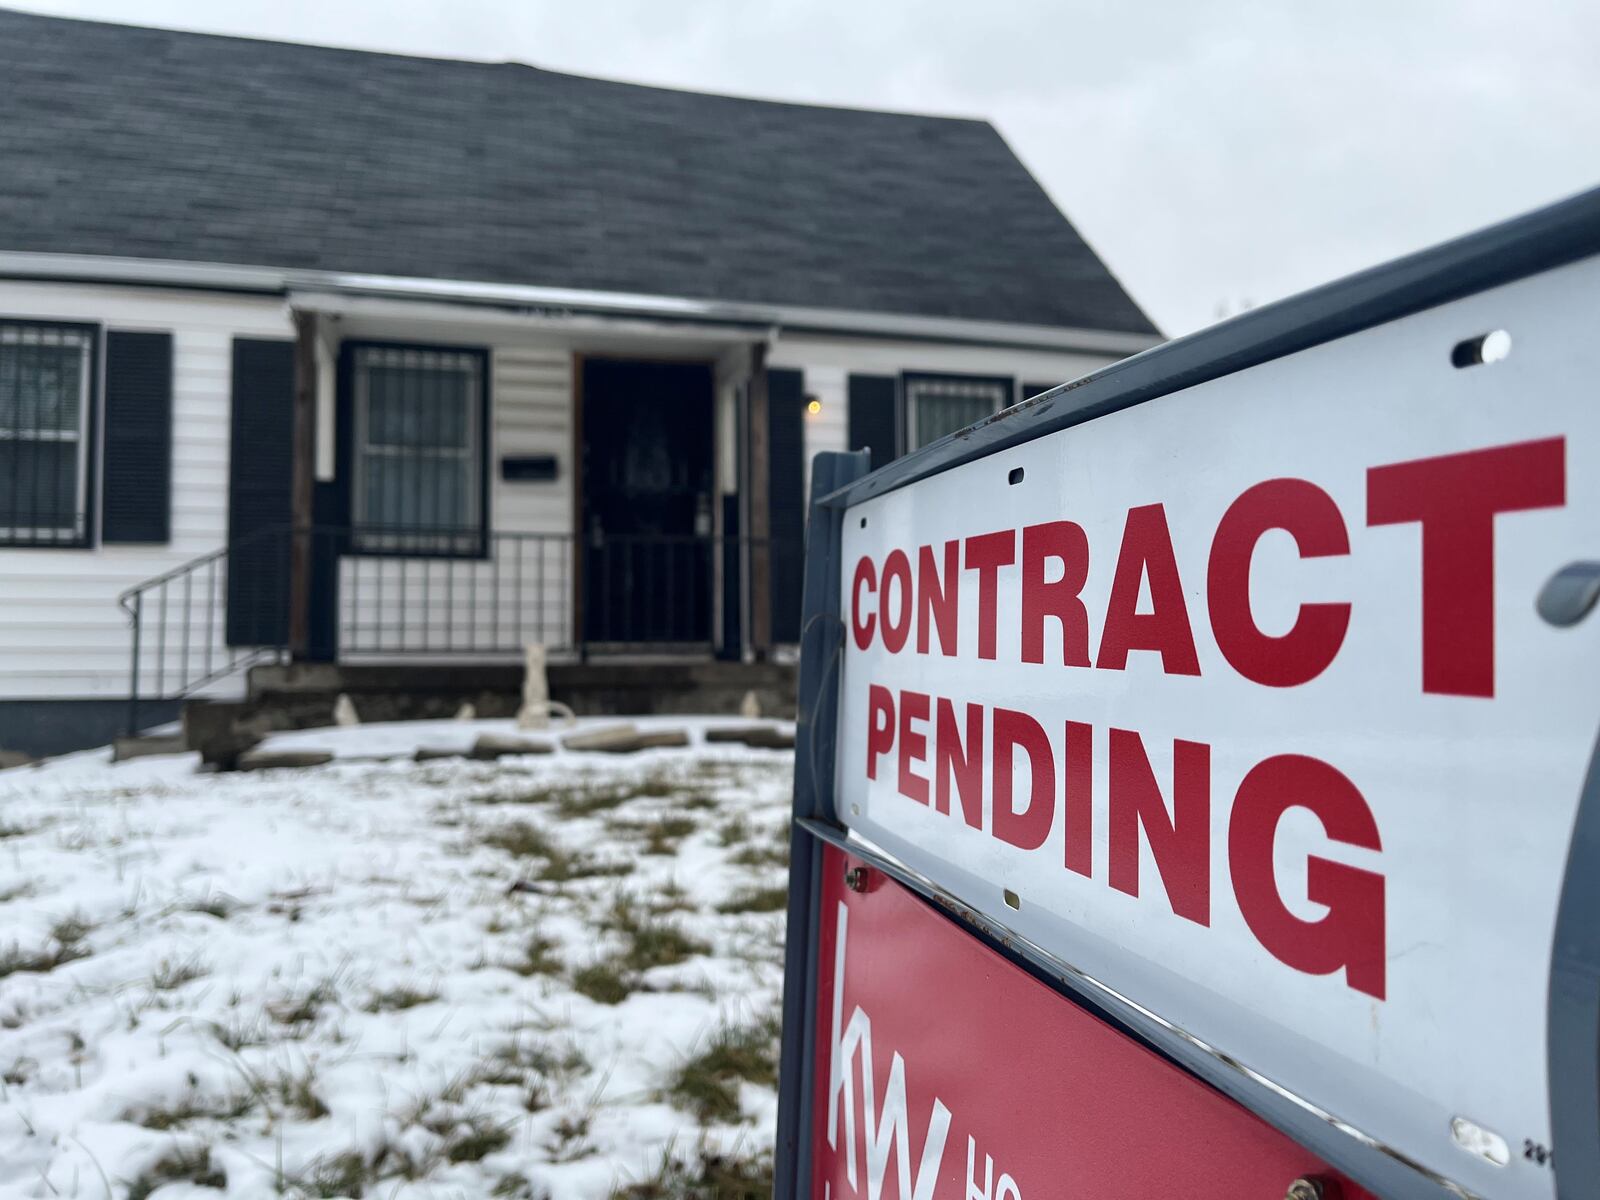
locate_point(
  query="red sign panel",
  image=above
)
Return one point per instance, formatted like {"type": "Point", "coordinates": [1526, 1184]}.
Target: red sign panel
{"type": "Point", "coordinates": [944, 1072]}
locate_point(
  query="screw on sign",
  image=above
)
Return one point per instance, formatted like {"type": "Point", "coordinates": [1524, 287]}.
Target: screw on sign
{"type": "Point", "coordinates": [1203, 761]}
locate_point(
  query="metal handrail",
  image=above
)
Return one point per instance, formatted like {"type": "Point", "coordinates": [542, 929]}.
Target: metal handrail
{"type": "Point", "coordinates": [412, 590]}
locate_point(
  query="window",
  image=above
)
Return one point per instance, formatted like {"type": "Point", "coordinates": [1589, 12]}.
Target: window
{"type": "Point", "coordinates": [938, 405]}
{"type": "Point", "coordinates": [418, 485]}
{"type": "Point", "coordinates": [46, 372]}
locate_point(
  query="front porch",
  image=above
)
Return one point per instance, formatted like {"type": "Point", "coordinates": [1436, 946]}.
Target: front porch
{"type": "Point", "coordinates": [409, 487]}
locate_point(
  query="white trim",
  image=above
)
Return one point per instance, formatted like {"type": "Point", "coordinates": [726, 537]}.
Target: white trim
{"type": "Point", "coordinates": [560, 303]}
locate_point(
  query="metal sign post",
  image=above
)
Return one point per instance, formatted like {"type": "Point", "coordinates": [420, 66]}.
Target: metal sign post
{"type": "Point", "coordinates": [1195, 765]}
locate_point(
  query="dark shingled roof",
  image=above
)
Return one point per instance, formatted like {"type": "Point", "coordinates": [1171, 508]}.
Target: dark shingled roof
{"type": "Point", "coordinates": [148, 143]}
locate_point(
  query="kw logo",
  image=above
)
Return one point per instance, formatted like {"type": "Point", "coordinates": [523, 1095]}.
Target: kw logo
{"type": "Point", "coordinates": [892, 1130]}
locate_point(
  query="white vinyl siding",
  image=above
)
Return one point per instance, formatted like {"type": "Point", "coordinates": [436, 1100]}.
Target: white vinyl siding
{"type": "Point", "coordinates": [61, 632]}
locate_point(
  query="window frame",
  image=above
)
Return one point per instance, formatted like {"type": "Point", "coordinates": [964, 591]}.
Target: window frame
{"type": "Point", "coordinates": [88, 440]}
{"type": "Point", "coordinates": [473, 542]}
{"type": "Point", "coordinates": [1006, 385]}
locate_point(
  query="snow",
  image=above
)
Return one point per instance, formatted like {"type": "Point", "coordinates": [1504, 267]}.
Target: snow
{"type": "Point", "coordinates": [281, 975]}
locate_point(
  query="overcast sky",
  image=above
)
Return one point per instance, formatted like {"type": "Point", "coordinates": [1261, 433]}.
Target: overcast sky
{"type": "Point", "coordinates": [1213, 152]}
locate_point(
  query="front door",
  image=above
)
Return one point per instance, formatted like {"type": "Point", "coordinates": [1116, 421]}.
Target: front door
{"type": "Point", "coordinates": [647, 494]}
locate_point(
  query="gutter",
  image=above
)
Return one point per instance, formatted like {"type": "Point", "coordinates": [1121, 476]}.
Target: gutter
{"type": "Point", "coordinates": [565, 303]}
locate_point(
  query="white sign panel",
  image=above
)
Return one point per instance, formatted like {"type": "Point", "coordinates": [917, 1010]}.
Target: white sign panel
{"type": "Point", "coordinates": [1237, 701]}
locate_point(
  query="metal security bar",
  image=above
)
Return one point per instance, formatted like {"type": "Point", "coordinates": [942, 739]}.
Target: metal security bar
{"type": "Point", "coordinates": [636, 594]}
{"type": "Point", "coordinates": [46, 377]}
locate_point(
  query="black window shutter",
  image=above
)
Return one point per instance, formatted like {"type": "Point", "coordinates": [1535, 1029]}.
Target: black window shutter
{"type": "Point", "coordinates": [872, 420]}
{"type": "Point", "coordinates": [261, 465]}
{"type": "Point", "coordinates": [786, 476]}
{"type": "Point", "coordinates": [137, 481]}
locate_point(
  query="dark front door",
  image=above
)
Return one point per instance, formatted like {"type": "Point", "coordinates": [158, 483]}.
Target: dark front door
{"type": "Point", "coordinates": [647, 494]}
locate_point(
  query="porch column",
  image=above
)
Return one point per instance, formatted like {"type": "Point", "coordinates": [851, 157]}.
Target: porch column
{"type": "Point", "coordinates": [302, 486]}
{"type": "Point", "coordinates": [759, 505]}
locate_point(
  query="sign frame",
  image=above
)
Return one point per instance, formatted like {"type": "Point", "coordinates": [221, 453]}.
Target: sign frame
{"type": "Point", "coordinates": [1554, 236]}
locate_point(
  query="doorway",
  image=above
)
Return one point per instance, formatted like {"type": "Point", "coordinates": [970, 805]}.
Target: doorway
{"type": "Point", "coordinates": [645, 499]}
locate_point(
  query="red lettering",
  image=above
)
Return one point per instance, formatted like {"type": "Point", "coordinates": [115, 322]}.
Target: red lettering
{"type": "Point", "coordinates": [1064, 542]}
{"type": "Point", "coordinates": [1180, 842]}
{"type": "Point", "coordinates": [1028, 829]}
{"type": "Point", "coordinates": [1080, 798]}
{"type": "Point", "coordinates": [1351, 935]}
{"type": "Point", "coordinates": [1147, 554]}
{"type": "Point", "coordinates": [897, 626]}
{"type": "Point", "coordinates": [913, 745]}
{"type": "Point", "coordinates": [866, 576]}
{"type": "Point", "coordinates": [1312, 518]}
{"type": "Point", "coordinates": [1456, 498]}
{"type": "Point", "coordinates": [952, 761]}
{"type": "Point", "coordinates": [938, 603]}
{"type": "Point", "coordinates": [986, 554]}
{"type": "Point", "coordinates": [880, 733]}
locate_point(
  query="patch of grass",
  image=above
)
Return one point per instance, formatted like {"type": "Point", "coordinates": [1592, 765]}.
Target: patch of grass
{"type": "Point", "coordinates": [305, 1008]}
{"type": "Point", "coordinates": [539, 957]}
{"type": "Point", "coordinates": [603, 982]}
{"type": "Point", "coordinates": [572, 1137]}
{"type": "Point", "coordinates": [170, 976]}
{"type": "Point", "coordinates": [474, 1138]}
{"type": "Point", "coordinates": [218, 906]}
{"type": "Point", "coordinates": [345, 1174]}
{"type": "Point", "coordinates": [296, 1093]}
{"type": "Point", "coordinates": [657, 943]}
{"type": "Point", "coordinates": [771, 855]}
{"type": "Point", "coordinates": [10, 829]}
{"type": "Point", "coordinates": [19, 1072]}
{"type": "Point", "coordinates": [194, 1105]}
{"type": "Point", "coordinates": [526, 840]}
{"type": "Point", "coordinates": [522, 839]}
{"type": "Point", "coordinates": [707, 1176]}
{"type": "Point", "coordinates": [178, 1165]}
{"type": "Point", "coordinates": [734, 830]}
{"type": "Point", "coordinates": [236, 1033]}
{"type": "Point", "coordinates": [672, 896]}
{"type": "Point", "coordinates": [71, 930]}
{"type": "Point", "coordinates": [707, 1085]}
{"type": "Point", "coordinates": [66, 936]}
{"type": "Point", "coordinates": [398, 999]}
{"type": "Point", "coordinates": [756, 900]}
{"type": "Point", "coordinates": [514, 1187]}
{"type": "Point", "coordinates": [19, 891]}
{"type": "Point", "coordinates": [660, 835]}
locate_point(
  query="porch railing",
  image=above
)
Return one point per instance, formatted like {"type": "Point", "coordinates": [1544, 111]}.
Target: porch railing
{"type": "Point", "coordinates": [381, 592]}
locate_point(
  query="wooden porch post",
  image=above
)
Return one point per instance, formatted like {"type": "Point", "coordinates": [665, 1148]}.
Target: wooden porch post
{"type": "Point", "coordinates": [759, 506]}
{"type": "Point", "coordinates": [302, 484]}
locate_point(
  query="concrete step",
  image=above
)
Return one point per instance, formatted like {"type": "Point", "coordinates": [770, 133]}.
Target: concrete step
{"type": "Point", "coordinates": [147, 746]}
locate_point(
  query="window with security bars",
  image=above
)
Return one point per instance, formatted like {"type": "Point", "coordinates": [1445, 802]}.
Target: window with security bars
{"type": "Point", "coordinates": [938, 405]}
{"type": "Point", "coordinates": [418, 450]}
{"type": "Point", "coordinates": [46, 376]}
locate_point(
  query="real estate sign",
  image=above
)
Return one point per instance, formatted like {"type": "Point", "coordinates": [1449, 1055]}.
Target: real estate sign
{"type": "Point", "coordinates": [1259, 712]}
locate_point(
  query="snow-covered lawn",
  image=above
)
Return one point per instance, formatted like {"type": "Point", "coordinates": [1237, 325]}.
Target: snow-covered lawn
{"type": "Point", "coordinates": [540, 976]}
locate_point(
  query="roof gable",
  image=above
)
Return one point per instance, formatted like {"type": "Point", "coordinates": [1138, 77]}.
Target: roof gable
{"type": "Point", "coordinates": [150, 143]}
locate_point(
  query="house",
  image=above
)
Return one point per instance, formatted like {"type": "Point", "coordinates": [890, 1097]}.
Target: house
{"type": "Point", "coordinates": [340, 357]}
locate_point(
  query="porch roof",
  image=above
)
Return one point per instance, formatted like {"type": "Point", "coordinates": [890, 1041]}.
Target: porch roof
{"type": "Point", "coordinates": [150, 144]}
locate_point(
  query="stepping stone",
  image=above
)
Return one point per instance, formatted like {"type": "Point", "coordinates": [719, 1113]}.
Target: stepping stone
{"type": "Point", "coordinates": [495, 745]}
{"type": "Point", "coordinates": [431, 753]}
{"type": "Point", "coordinates": [658, 739]}
{"type": "Point", "coordinates": [268, 760]}
{"type": "Point", "coordinates": [601, 739]}
{"type": "Point", "coordinates": [762, 737]}
{"type": "Point", "coordinates": [13, 758]}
